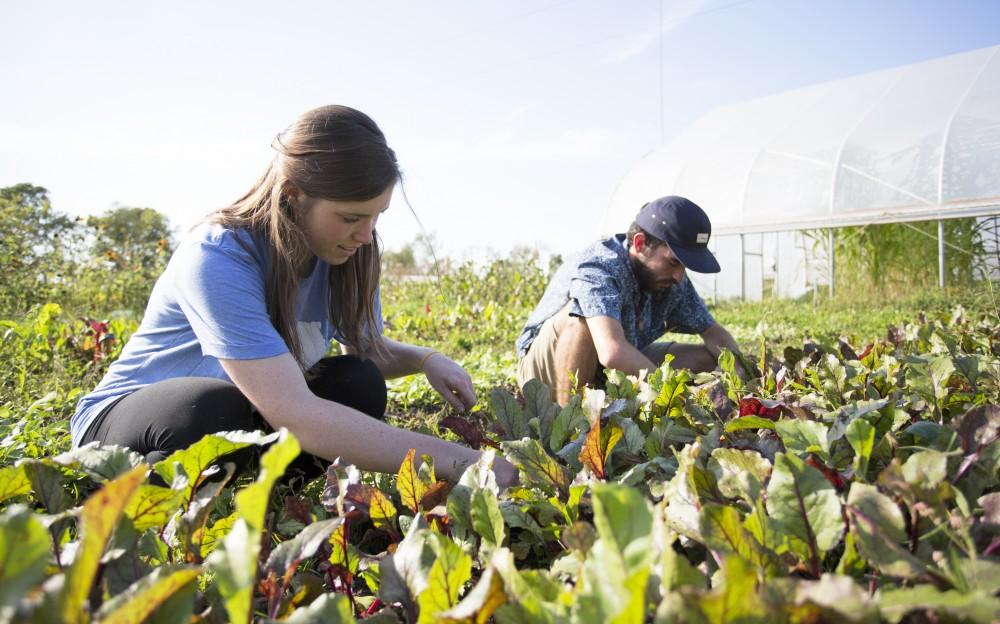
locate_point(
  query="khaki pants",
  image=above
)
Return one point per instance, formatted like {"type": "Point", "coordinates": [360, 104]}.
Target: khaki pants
{"type": "Point", "coordinates": [540, 361]}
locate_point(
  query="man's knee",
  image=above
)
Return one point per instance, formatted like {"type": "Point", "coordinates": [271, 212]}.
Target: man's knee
{"type": "Point", "coordinates": [573, 330]}
{"type": "Point", "coordinates": [696, 358]}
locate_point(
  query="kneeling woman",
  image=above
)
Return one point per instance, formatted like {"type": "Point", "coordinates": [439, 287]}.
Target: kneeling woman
{"type": "Point", "coordinates": [238, 325]}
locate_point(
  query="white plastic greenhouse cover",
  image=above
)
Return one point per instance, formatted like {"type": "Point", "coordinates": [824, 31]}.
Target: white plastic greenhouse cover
{"type": "Point", "coordinates": [916, 142]}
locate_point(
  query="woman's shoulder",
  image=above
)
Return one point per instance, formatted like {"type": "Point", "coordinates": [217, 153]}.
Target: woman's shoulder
{"type": "Point", "coordinates": [214, 239]}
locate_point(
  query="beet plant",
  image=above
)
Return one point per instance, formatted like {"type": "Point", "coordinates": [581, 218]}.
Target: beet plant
{"type": "Point", "coordinates": [838, 482]}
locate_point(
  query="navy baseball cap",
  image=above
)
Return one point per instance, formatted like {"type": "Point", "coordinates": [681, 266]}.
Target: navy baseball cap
{"type": "Point", "coordinates": [684, 226]}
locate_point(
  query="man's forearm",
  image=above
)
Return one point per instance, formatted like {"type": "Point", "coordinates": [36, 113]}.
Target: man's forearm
{"type": "Point", "coordinates": [629, 360]}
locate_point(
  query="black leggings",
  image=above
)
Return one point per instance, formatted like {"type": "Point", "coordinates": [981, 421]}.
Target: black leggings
{"type": "Point", "coordinates": [174, 413]}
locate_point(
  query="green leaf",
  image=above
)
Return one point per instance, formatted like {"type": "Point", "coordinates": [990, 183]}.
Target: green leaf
{"type": "Point", "coordinates": [487, 521]}
{"type": "Point", "coordinates": [681, 513]}
{"type": "Point", "coordinates": [327, 608]}
{"type": "Point", "coordinates": [404, 573]}
{"type": "Point", "coordinates": [509, 414]}
{"type": "Point", "coordinates": [343, 553]}
{"type": "Point", "coordinates": [624, 520]}
{"type": "Point", "coordinates": [676, 571]}
{"type": "Point", "coordinates": [598, 446]}
{"type": "Point", "coordinates": [749, 422]}
{"type": "Point", "coordinates": [24, 553]}
{"type": "Point", "coordinates": [975, 606]}
{"type": "Point", "coordinates": [480, 603]}
{"type": "Point", "coordinates": [235, 564]}
{"type": "Point", "coordinates": [805, 506]}
{"type": "Point", "coordinates": [846, 415]}
{"type": "Point", "coordinates": [409, 484]}
{"type": "Point", "coordinates": [537, 466]}
{"type": "Point", "coordinates": [926, 470]}
{"type": "Point", "coordinates": [635, 439]}
{"type": "Point", "coordinates": [212, 536]}
{"type": "Point", "coordinates": [251, 502]}
{"type": "Point", "coordinates": [841, 598]}
{"type": "Point", "coordinates": [451, 570]}
{"type": "Point", "coordinates": [804, 436]}
{"type": "Point", "coordinates": [723, 530]}
{"type": "Point", "coordinates": [382, 511]}
{"type": "Point", "coordinates": [851, 562]}
{"type": "Point", "coordinates": [878, 527]}
{"type": "Point", "coordinates": [476, 476]}
{"type": "Point", "coordinates": [288, 554]}
{"type": "Point", "coordinates": [735, 598]}
{"type": "Point", "coordinates": [149, 594]}
{"type": "Point", "coordinates": [189, 526]}
{"type": "Point", "coordinates": [569, 419]}
{"type": "Point", "coordinates": [610, 594]}
{"type": "Point", "coordinates": [153, 506]}
{"type": "Point", "coordinates": [531, 596]}
{"type": "Point", "coordinates": [194, 460]}
{"type": "Point", "coordinates": [739, 473]}
{"type": "Point", "coordinates": [48, 485]}
{"type": "Point", "coordinates": [100, 462]}
{"type": "Point", "coordinates": [539, 406]}
{"type": "Point", "coordinates": [861, 436]}
{"type": "Point", "coordinates": [13, 482]}
{"type": "Point", "coordinates": [99, 517]}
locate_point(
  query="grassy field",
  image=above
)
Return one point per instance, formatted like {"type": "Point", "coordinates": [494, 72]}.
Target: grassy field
{"type": "Point", "coordinates": [854, 477]}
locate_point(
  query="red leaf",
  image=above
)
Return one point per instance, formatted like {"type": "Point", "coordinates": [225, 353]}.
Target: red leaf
{"type": "Point", "coordinates": [840, 481]}
{"type": "Point", "coordinates": [765, 408]}
{"type": "Point", "coordinates": [467, 431]}
{"type": "Point", "coordinates": [299, 509]}
{"type": "Point", "coordinates": [436, 495]}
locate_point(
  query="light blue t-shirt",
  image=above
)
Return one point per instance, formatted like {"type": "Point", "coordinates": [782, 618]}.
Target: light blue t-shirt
{"type": "Point", "coordinates": [209, 304]}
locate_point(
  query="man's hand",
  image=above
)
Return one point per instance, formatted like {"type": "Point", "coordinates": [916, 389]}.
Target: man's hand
{"type": "Point", "coordinates": [717, 338]}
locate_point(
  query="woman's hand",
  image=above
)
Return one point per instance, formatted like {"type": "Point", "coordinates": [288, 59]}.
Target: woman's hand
{"type": "Point", "coordinates": [451, 381]}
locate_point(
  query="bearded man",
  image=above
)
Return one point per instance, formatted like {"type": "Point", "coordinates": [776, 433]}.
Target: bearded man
{"type": "Point", "coordinates": [607, 306]}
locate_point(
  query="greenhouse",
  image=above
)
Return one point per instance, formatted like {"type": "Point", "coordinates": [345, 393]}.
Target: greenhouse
{"type": "Point", "coordinates": [779, 174]}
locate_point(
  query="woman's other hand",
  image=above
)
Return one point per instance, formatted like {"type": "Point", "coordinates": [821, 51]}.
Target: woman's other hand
{"type": "Point", "coordinates": [451, 381]}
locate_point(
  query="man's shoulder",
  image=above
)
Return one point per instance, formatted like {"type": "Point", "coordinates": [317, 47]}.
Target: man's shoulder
{"type": "Point", "coordinates": [605, 252]}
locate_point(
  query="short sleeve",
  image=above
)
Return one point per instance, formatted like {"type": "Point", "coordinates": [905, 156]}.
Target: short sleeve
{"type": "Point", "coordinates": [691, 316]}
{"type": "Point", "coordinates": [595, 291]}
{"type": "Point", "coordinates": [220, 289]}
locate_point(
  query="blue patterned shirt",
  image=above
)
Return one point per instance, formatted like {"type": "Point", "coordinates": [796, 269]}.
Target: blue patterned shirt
{"type": "Point", "coordinates": [600, 282]}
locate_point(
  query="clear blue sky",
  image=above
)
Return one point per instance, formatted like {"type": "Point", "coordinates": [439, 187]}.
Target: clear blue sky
{"type": "Point", "coordinates": [514, 121]}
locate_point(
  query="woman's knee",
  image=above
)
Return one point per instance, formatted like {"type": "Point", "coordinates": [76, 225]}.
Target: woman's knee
{"type": "Point", "coordinates": [351, 381]}
{"type": "Point", "coordinates": [175, 413]}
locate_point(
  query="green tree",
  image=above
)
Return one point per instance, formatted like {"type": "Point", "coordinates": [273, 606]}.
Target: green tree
{"type": "Point", "coordinates": [38, 246]}
{"type": "Point", "coordinates": [129, 248]}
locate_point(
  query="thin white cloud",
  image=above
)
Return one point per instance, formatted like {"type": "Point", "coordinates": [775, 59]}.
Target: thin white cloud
{"type": "Point", "coordinates": [674, 14]}
{"type": "Point", "coordinates": [505, 144]}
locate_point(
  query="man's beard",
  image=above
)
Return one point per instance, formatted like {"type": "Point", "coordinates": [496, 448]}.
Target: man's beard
{"type": "Point", "coordinates": [647, 279]}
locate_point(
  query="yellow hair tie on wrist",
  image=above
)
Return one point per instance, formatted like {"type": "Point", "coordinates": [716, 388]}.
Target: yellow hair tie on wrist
{"type": "Point", "coordinates": [424, 359]}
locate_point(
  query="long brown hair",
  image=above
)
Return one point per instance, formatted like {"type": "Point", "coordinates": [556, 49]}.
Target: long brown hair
{"type": "Point", "coordinates": [334, 153]}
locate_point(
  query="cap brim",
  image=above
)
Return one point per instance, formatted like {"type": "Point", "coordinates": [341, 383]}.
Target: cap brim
{"type": "Point", "coordinates": [697, 260]}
